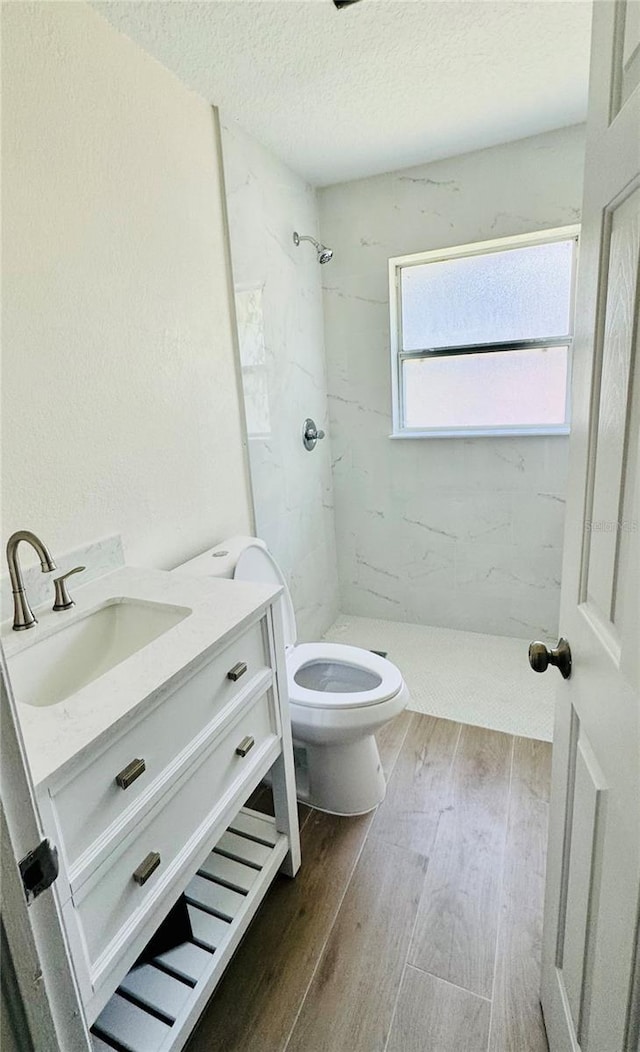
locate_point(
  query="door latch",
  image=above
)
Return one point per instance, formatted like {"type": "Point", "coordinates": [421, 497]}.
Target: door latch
{"type": "Point", "coordinates": [38, 869]}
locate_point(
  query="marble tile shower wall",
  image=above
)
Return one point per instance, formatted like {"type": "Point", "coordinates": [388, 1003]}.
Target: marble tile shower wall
{"type": "Point", "coordinates": [452, 532]}
{"type": "Point", "coordinates": [280, 326]}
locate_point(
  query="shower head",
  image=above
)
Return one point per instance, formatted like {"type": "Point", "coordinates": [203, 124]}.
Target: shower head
{"type": "Point", "coordinates": [324, 253]}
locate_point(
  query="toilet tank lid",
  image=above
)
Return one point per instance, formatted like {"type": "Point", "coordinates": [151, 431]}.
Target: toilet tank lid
{"type": "Point", "coordinates": [245, 559]}
{"type": "Point", "coordinates": [216, 562]}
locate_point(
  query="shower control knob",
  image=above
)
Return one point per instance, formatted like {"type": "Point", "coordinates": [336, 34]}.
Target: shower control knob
{"type": "Point", "coordinates": [310, 434]}
{"type": "Point", "coordinates": [540, 657]}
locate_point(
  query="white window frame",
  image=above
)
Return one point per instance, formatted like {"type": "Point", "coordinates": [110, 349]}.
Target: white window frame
{"type": "Point", "coordinates": [398, 263]}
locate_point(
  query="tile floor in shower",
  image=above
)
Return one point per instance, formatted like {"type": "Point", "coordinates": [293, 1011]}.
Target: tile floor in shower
{"type": "Point", "coordinates": [470, 677]}
{"type": "Point", "coordinates": [412, 929]}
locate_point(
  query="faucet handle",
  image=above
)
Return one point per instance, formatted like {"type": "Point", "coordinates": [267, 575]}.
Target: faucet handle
{"type": "Point", "coordinates": [63, 599]}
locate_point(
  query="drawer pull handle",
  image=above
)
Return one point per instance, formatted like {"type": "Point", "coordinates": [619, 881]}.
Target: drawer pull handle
{"type": "Point", "coordinates": [146, 868]}
{"type": "Point", "coordinates": [129, 773]}
{"type": "Point", "coordinates": [237, 671]}
{"type": "Point", "coordinates": [245, 746]}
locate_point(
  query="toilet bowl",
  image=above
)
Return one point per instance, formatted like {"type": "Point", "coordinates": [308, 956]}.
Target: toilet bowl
{"type": "Point", "coordinates": [339, 695]}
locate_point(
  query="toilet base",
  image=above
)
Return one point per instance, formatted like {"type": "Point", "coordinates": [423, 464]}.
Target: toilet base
{"type": "Point", "coordinates": [342, 779]}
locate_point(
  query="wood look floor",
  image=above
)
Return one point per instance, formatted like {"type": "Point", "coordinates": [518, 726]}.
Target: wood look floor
{"type": "Point", "coordinates": [413, 929]}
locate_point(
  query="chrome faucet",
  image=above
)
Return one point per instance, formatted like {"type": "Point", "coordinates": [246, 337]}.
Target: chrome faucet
{"type": "Point", "coordinates": [23, 616]}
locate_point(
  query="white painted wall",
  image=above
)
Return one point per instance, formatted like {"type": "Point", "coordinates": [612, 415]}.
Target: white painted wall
{"type": "Point", "coordinates": [282, 348]}
{"type": "Point", "coordinates": [451, 532]}
{"type": "Point", "coordinates": [120, 409]}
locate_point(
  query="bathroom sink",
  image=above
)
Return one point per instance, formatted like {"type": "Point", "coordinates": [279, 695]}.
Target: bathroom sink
{"type": "Point", "coordinates": [60, 664]}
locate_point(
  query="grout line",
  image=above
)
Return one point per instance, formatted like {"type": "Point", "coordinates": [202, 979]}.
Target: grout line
{"type": "Point", "coordinates": [306, 817]}
{"type": "Point", "coordinates": [346, 888]}
{"type": "Point", "coordinates": [331, 927]}
{"type": "Point", "coordinates": [433, 844]}
{"type": "Point", "coordinates": [461, 726]}
{"type": "Point", "coordinates": [501, 892]}
{"type": "Point", "coordinates": [415, 920]}
{"type": "Point", "coordinates": [395, 1003]}
{"type": "Point", "coordinates": [400, 747]}
{"type": "Point", "coordinates": [406, 959]}
{"type": "Point", "coordinates": [448, 982]}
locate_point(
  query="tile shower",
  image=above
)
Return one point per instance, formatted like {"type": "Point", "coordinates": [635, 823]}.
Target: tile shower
{"type": "Point", "coordinates": [459, 534]}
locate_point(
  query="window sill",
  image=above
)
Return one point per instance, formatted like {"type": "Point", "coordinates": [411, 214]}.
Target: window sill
{"type": "Point", "coordinates": [485, 432]}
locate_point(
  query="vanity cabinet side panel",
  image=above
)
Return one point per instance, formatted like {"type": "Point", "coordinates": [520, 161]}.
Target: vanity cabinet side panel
{"type": "Point", "coordinates": [283, 778]}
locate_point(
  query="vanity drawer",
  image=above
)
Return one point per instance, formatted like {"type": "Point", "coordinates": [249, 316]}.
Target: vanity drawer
{"type": "Point", "coordinates": [110, 783]}
{"type": "Point", "coordinates": [113, 904]}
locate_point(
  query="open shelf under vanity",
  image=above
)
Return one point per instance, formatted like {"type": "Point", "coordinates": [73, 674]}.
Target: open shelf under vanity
{"type": "Point", "coordinates": [159, 1001]}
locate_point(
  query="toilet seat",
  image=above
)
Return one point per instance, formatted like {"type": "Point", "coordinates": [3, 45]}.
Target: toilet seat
{"type": "Point", "coordinates": [344, 695]}
{"type": "Point", "coordinates": [353, 660]}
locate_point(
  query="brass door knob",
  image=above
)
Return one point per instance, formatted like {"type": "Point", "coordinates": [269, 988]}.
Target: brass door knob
{"type": "Point", "coordinates": [540, 657]}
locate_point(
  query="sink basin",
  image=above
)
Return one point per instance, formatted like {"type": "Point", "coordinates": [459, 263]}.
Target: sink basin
{"type": "Point", "coordinates": [54, 668]}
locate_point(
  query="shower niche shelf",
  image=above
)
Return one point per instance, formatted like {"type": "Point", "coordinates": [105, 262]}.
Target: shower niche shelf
{"type": "Point", "coordinates": [159, 1001]}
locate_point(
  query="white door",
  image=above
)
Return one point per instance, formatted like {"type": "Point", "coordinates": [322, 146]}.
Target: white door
{"type": "Point", "coordinates": [591, 962]}
{"type": "Point", "coordinates": [47, 1016]}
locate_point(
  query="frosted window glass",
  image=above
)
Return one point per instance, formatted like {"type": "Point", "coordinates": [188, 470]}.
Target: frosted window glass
{"type": "Point", "coordinates": [497, 297]}
{"type": "Point", "coordinates": [521, 388]}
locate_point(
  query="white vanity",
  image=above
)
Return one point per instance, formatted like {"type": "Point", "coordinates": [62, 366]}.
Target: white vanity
{"type": "Point", "coordinates": [170, 706]}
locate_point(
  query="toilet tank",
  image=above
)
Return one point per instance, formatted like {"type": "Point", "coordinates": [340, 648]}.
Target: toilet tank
{"type": "Point", "coordinates": [245, 559]}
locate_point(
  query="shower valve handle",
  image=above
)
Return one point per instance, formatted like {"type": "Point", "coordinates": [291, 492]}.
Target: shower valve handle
{"type": "Point", "coordinates": [311, 434]}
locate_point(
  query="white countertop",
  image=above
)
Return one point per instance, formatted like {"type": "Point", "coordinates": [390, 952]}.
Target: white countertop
{"type": "Point", "coordinates": [55, 734]}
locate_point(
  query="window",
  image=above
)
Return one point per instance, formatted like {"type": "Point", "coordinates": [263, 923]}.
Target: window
{"type": "Point", "coordinates": [481, 337]}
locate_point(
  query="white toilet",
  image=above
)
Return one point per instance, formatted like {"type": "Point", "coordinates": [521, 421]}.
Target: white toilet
{"type": "Point", "coordinates": [339, 695]}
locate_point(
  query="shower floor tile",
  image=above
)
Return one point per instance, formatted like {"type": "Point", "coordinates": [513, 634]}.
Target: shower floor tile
{"type": "Point", "coordinates": [468, 677]}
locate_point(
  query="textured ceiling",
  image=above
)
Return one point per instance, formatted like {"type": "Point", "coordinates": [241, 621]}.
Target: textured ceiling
{"type": "Point", "coordinates": [379, 85]}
